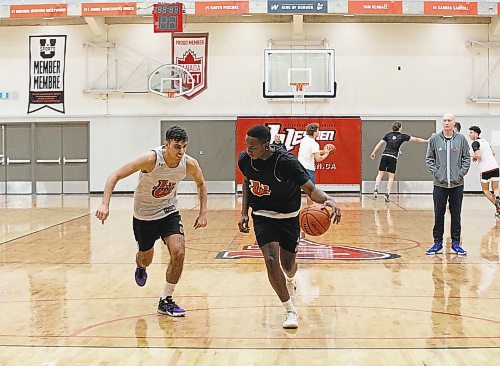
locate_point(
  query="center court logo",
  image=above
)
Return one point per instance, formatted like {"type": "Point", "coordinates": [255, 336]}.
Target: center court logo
{"type": "Point", "coordinates": [310, 250]}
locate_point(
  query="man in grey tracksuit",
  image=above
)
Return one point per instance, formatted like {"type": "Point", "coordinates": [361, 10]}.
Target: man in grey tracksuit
{"type": "Point", "coordinates": [448, 159]}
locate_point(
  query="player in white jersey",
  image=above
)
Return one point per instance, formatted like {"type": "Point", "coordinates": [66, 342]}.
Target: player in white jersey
{"type": "Point", "coordinates": [156, 212]}
{"type": "Point", "coordinates": [484, 155]}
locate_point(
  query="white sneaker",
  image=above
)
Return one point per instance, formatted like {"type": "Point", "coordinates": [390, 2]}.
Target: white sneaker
{"type": "Point", "coordinates": [291, 286]}
{"type": "Point", "coordinates": [291, 320]}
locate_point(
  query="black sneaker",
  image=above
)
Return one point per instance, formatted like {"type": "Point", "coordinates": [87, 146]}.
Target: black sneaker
{"type": "Point", "coordinates": [167, 306]}
{"type": "Point", "coordinates": [140, 276]}
{"type": "Point", "coordinates": [386, 197]}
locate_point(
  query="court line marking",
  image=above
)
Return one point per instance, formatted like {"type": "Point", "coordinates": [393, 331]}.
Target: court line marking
{"type": "Point", "coordinates": [254, 348]}
{"type": "Point", "coordinates": [376, 296]}
{"type": "Point", "coordinates": [77, 333]}
{"type": "Point", "coordinates": [302, 262]}
{"type": "Point", "coordinates": [43, 229]}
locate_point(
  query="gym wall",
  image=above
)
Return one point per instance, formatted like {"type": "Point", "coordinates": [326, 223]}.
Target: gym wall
{"type": "Point", "coordinates": [383, 71]}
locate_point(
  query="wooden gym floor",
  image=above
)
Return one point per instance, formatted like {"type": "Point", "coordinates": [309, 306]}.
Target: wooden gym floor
{"type": "Point", "coordinates": [367, 293]}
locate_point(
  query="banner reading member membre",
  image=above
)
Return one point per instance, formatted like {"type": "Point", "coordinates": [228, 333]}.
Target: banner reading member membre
{"type": "Point", "coordinates": [47, 58]}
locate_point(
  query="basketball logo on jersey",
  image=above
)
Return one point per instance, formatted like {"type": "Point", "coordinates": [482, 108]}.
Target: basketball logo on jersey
{"type": "Point", "coordinates": [259, 189]}
{"type": "Point", "coordinates": [164, 188]}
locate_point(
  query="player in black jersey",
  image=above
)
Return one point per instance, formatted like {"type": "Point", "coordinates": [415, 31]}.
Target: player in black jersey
{"type": "Point", "coordinates": [273, 180]}
{"type": "Point", "coordinates": [389, 158]}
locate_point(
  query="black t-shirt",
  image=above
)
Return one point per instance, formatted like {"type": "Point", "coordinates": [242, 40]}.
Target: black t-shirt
{"type": "Point", "coordinates": [394, 141]}
{"type": "Point", "coordinates": [274, 184]}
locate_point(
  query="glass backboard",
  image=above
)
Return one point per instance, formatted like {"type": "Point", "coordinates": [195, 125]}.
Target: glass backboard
{"type": "Point", "coordinates": [286, 68]}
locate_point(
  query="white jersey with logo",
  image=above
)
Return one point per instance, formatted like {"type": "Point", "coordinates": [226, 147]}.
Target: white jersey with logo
{"type": "Point", "coordinates": [156, 194]}
{"type": "Point", "coordinates": [488, 161]}
{"type": "Point", "coordinates": [308, 147]}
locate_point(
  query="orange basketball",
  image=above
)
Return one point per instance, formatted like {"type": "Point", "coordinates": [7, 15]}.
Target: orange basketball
{"type": "Point", "coordinates": [331, 147]}
{"type": "Point", "coordinates": [314, 219]}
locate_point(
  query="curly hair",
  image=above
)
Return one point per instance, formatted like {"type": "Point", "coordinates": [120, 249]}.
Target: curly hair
{"type": "Point", "coordinates": [176, 133]}
{"type": "Point", "coordinates": [260, 132]}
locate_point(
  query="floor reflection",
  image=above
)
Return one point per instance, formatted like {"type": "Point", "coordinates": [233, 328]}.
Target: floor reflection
{"type": "Point", "coordinates": [483, 273]}
{"type": "Point", "coordinates": [448, 275]}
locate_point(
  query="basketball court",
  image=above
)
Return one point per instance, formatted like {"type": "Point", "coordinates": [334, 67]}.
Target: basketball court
{"type": "Point", "coordinates": [367, 293]}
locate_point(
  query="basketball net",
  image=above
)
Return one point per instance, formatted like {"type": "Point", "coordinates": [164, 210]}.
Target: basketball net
{"type": "Point", "coordinates": [170, 94]}
{"type": "Point", "coordinates": [299, 94]}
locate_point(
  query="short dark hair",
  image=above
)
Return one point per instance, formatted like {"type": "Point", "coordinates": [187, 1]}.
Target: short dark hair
{"type": "Point", "coordinates": [312, 128]}
{"type": "Point", "coordinates": [396, 126]}
{"type": "Point", "coordinates": [176, 133]}
{"type": "Point", "coordinates": [458, 126]}
{"type": "Point", "coordinates": [260, 132]}
{"type": "Point", "coordinates": [476, 129]}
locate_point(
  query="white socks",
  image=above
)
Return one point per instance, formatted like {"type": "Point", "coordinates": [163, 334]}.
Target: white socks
{"type": "Point", "coordinates": [169, 290]}
{"type": "Point", "coordinates": [289, 306]}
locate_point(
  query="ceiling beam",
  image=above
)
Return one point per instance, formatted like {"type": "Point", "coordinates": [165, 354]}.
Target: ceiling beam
{"type": "Point", "coordinates": [97, 25]}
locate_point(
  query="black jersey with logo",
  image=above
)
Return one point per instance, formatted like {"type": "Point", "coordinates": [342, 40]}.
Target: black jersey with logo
{"type": "Point", "coordinates": [274, 184]}
{"type": "Point", "coordinates": [394, 141]}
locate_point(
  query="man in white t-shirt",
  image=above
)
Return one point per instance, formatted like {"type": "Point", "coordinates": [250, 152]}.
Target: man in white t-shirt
{"type": "Point", "coordinates": [310, 153]}
{"type": "Point", "coordinates": [484, 155]}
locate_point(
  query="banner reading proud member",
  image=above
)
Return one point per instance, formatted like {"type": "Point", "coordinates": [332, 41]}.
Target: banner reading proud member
{"type": "Point", "coordinates": [190, 51]}
{"type": "Point", "coordinates": [47, 56]}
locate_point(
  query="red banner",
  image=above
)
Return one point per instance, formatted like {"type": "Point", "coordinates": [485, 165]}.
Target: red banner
{"type": "Point", "coordinates": [190, 51]}
{"type": "Point", "coordinates": [342, 167]}
{"type": "Point", "coordinates": [375, 7]}
{"type": "Point", "coordinates": [108, 9]}
{"type": "Point", "coordinates": [221, 7]}
{"type": "Point", "coordinates": [450, 8]}
{"type": "Point", "coordinates": [39, 10]}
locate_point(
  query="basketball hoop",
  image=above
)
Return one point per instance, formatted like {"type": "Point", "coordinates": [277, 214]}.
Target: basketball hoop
{"type": "Point", "coordinates": [171, 81]}
{"type": "Point", "coordinates": [299, 94]}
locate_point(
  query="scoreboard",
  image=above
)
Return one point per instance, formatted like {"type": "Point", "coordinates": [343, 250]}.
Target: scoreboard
{"type": "Point", "coordinates": [168, 18]}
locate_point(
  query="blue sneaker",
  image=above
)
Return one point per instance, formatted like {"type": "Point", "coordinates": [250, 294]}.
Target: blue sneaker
{"type": "Point", "coordinates": [455, 246]}
{"type": "Point", "coordinates": [167, 306]}
{"type": "Point", "coordinates": [140, 276]}
{"type": "Point", "coordinates": [435, 249]}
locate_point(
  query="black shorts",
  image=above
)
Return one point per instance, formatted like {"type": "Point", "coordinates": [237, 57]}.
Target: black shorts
{"type": "Point", "coordinates": [147, 232]}
{"type": "Point", "coordinates": [490, 176]}
{"type": "Point", "coordinates": [388, 163]}
{"type": "Point", "coordinates": [284, 231]}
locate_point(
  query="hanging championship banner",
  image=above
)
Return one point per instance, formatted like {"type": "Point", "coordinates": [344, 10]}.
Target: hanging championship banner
{"type": "Point", "coordinates": [190, 51]}
{"type": "Point", "coordinates": [47, 56]}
